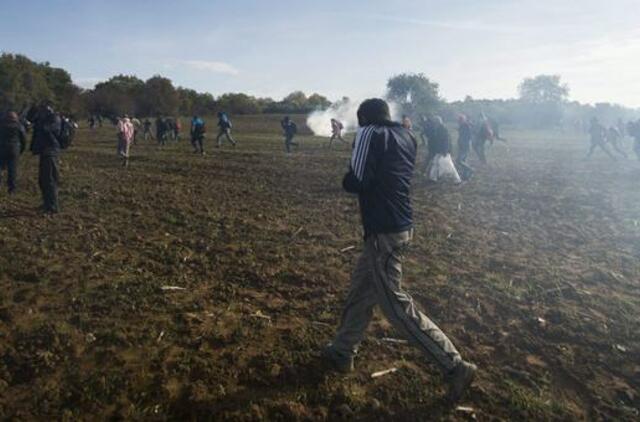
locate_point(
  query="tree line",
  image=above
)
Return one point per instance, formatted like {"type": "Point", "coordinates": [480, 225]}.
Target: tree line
{"type": "Point", "coordinates": [24, 82]}
{"type": "Point", "coordinates": [543, 100]}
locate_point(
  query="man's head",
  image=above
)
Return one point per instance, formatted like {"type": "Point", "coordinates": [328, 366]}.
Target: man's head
{"type": "Point", "coordinates": [374, 111]}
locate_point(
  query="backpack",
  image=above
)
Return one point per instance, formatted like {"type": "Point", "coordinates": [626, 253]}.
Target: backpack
{"type": "Point", "coordinates": [67, 132]}
{"type": "Point", "coordinates": [199, 127]}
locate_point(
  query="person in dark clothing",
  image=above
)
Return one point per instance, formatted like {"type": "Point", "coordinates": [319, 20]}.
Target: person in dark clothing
{"type": "Point", "coordinates": [598, 135]}
{"type": "Point", "coordinates": [12, 144]}
{"type": "Point", "coordinates": [481, 135]}
{"type": "Point", "coordinates": [464, 147]}
{"type": "Point", "coordinates": [439, 166]}
{"type": "Point", "coordinates": [224, 129]}
{"type": "Point", "coordinates": [380, 173]}
{"type": "Point", "coordinates": [290, 129]}
{"type": "Point", "coordinates": [169, 129]}
{"type": "Point", "coordinates": [45, 144]}
{"type": "Point", "coordinates": [426, 127]}
{"type": "Point", "coordinates": [161, 131]}
{"type": "Point", "coordinates": [198, 130]}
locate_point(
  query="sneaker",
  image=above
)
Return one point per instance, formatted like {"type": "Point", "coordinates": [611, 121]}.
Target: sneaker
{"type": "Point", "coordinates": [339, 362]}
{"type": "Point", "coordinates": [459, 379]}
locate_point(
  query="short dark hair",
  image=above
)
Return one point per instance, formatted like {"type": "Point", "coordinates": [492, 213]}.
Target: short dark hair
{"type": "Point", "coordinates": [374, 111]}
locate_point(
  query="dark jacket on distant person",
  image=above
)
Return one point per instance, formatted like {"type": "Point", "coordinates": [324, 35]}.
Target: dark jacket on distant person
{"type": "Point", "coordinates": [441, 142]}
{"type": "Point", "coordinates": [380, 173]}
{"type": "Point", "coordinates": [46, 131]}
{"type": "Point", "coordinates": [12, 138]}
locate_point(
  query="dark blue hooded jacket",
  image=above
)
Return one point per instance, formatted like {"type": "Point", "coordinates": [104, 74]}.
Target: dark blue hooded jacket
{"type": "Point", "coordinates": [380, 173]}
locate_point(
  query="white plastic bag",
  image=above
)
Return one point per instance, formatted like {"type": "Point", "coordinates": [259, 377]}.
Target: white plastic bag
{"type": "Point", "coordinates": [441, 168]}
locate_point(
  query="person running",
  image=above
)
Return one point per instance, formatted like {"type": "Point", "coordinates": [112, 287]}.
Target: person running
{"type": "Point", "coordinates": [440, 166]}
{"type": "Point", "coordinates": [12, 144]}
{"type": "Point", "coordinates": [147, 129]}
{"type": "Point", "coordinates": [614, 137]}
{"type": "Point", "coordinates": [336, 131]}
{"type": "Point", "coordinates": [46, 143]}
{"type": "Point", "coordinates": [465, 130]}
{"type": "Point", "coordinates": [290, 129]}
{"type": "Point", "coordinates": [126, 132]}
{"type": "Point", "coordinates": [380, 173]}
{"type": "Point", "coordinates": [598, 135]}
{"type": "Point", "coordinates": [224, 129]}
{"type": "Point", "coordinates": [198, 130]}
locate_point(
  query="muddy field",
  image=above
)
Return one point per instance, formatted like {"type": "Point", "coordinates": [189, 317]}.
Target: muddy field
{"type": "Point", "coordinates": [189, 287]}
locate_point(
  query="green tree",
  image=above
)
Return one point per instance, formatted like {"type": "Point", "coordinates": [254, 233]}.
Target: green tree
{"type": "Point", "coordinates": [543, 97]}
{"type": "Point", "coordinates": [22, 82]}
{"type": "Point", "coordinates": [159, 97]}
{"type": "Point", "coordinates": [415, 93]}
{"type": "Point", "coordinates": [543, 89]}
{"type": "Point", "coordinates": [318, 102]}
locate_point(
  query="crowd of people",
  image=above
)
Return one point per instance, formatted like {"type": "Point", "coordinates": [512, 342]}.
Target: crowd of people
{"type": "Point", "coordinates": [473, 136]}
{"type": "Point", "coordinates": [380, 173]}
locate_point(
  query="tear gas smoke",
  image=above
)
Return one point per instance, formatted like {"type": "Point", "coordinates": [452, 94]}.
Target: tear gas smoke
{"type": "Point", "coordinates": [344, 111]}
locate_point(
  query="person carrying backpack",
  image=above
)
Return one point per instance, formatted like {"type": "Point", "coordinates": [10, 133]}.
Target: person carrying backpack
{"type": "Point", "coordinates": [12, 144]}
{"type": "Point", "coordinates": [48, 139]}
{"type": "Point", "coordinates": [290, 129]}
{"type": "Point", "coordinates": [198, 130]}
{"type": "Point", "coordinates": [224, 125]}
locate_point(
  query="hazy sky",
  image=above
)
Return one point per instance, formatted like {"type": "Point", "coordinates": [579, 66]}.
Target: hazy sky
{"type": "Point", "coordinates": [482, 48]}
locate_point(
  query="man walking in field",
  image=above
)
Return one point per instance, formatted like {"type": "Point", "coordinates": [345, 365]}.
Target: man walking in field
{"type": "Point", "coordinates": [161, 130]}
{"type": "Point", "coordinates": [224, 129]}
{"type": "Point", "coordinates": [126, 134]}
{"type": "Point", "coordinates": [336, 131]}
{"type": "Point", "coordinates": [464, 146]}
{"type": "Point", "coordinates": [47, 143]}
{"type": "Point", "coordinates": [290, 129]}
{"type": "Point", "coordinates": [12, 144]}
{"type": "Point", "coordinates": [147, 129]}
{"type": "Point", "coordinates": [380, 173]}
{"type": "Point", "coordinates": [197, 134]}
{"type": "Point", "coordinates": [598, 135]}
{"type": "Point", "coordinates": [482, 134]}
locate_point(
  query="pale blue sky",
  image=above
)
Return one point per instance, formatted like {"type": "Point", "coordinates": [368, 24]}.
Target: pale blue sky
{"type": "Point", "coordinates": [483, 48]}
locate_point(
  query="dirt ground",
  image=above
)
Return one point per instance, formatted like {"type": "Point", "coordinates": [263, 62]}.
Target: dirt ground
{"type": "Point", "coordinates": [532, 268]}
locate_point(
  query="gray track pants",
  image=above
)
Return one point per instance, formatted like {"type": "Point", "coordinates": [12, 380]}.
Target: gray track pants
{"type": "Point", "coordinates": [377, 281]}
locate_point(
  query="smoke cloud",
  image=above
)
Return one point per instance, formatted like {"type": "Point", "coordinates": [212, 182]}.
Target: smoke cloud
{"type": "Point", "coordinates": [344, 111]}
